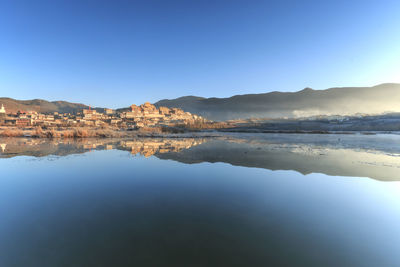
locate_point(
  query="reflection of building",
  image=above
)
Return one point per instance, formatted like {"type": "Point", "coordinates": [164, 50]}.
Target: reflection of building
{"type": "Point", "coordinates": [150, 147]}
{"type": "Point", "coordinates": [3, 147]}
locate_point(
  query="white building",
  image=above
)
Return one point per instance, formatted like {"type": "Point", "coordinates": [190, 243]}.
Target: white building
{"type": "Point", "coordinates": [2, 109]}
{"type": "Point", "coordinates": [2, 114]}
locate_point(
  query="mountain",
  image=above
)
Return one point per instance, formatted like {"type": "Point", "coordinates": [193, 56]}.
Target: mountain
{"type": "Point", "coordinates": [40, 105]}
{"type": "Point", "coordinates": [384, 98]}
{"type": "Point", "coordinates": [308, 102]}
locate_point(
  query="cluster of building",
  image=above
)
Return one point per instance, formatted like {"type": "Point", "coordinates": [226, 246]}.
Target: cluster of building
{"type": "Point", "coordinates": [145, 115]}
{"type": "Point", "coordinates": [148, 115]}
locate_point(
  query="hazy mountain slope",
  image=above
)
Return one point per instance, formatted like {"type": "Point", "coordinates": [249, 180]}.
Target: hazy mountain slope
{"type": "Point", "coordinates": [39, 105]}
{"type": "Point", "coordinates": [340, 101]}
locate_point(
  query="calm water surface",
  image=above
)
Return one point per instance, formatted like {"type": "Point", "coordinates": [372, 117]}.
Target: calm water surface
{"type": "Point", "coordinates": [110, 208]}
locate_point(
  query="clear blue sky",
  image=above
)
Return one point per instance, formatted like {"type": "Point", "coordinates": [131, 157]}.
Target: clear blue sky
{"type": "Point", "coordinates": [114, 53]}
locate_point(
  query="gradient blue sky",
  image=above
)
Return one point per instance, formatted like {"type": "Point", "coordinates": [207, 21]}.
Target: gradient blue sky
{"type": "Point", "coordinates": [114, 53]}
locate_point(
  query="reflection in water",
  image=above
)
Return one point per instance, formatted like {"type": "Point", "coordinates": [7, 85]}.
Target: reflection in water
{"type": "Point", "coordinates": [62, 147]}
{"type": "Point", "coordinates": [110, 208]}
{"type": "Point", "coordinates": [149, 147]}
{"type": "Point", "coordinates": [376, 156]}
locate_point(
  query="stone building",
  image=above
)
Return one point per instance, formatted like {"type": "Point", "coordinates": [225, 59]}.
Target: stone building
{"type": "Point", "coordinates": [109, 111]}
{"type": "Point", "coordinates": [149, 115]}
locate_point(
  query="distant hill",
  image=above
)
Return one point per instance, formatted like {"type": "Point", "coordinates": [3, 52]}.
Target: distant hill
{"type": "Point", "coordinates": [307, 102]}
{"type": "Point", "coordinates": [40, 105]}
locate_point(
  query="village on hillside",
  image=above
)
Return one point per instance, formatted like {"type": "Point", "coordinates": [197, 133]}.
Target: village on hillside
{"type": "Point", "coordinates": [145, 115]}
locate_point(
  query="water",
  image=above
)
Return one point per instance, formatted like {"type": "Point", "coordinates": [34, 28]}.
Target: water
{"type": "Point", "coordinates": [163, 202]}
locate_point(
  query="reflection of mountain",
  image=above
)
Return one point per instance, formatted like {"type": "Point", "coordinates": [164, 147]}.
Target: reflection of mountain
{"type": "Point", "coordinates": [12, 147]}
{"type": "Point", "coordinates": [374, 156]}
{"type": "Point", "coordinates": [338, 155]}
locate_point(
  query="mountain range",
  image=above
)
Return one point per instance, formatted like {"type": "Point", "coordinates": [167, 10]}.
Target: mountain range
{"type": "Point", "coordinates": [308, 102]}
{"type": "Point", "coordinates": [378, 99]}
{"type": "Point", "coordinates": [39, 105]}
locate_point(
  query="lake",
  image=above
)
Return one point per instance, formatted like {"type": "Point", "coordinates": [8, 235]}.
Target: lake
{"type": "Point", "coordinates": [229, 200]}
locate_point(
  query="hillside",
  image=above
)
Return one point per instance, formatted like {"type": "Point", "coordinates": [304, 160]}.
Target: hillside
{"type": "Point", "coordinates": [307, 102]}
{"type": "Point", "coordinates": [40, 105]}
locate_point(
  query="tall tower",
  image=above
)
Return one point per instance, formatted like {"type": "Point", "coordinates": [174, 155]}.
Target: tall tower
{"type": "Point", "coordinates": [2, 114]}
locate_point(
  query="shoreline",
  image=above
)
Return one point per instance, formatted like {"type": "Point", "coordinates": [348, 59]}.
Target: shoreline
{"type": "Point", "coordinates": [156, 132]}
{"type": "Point", "coordinates": [89, 132]}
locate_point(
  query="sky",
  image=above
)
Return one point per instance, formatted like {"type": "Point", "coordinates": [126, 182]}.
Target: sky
{"type": "Point", "coordinates": [116, 53]}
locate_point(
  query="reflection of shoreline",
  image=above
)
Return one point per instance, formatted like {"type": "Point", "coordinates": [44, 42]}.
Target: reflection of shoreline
{"type": "Point", "coordinates": [376, 157]}
{"type": "Point", "coordinates": [61, 147]}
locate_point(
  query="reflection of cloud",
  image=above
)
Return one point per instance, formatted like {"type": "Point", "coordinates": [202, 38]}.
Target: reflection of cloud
{"type": "Point", "coordinates": [3, 147]}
